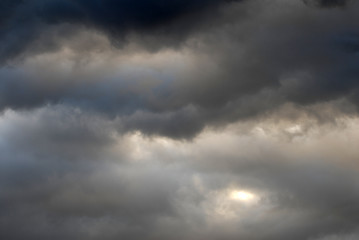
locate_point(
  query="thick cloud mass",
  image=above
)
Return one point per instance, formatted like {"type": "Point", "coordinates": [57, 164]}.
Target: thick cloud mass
{"type": "Point", "coordinates": [326, 3]}
{"type": "Point", "coordinates": [202, 119]}
{"type": "Point", "coordinates": [201, 62]}
{"type": "Point", "coordinates": [23, 21]}
{"type": "Point", "coordinates": [63, 175]}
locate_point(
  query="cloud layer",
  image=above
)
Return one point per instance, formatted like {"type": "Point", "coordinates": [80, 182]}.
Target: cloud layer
{"type": "Point", "coordinates": [235, 60]}
{"type": "Point", "coordinates": [205, 119]}
{"type": "Point", "coordinates": [75, 180]}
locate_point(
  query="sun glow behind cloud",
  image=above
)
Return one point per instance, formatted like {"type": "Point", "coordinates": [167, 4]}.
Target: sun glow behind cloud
{"type": "Point", "coordinates": [242, 196]}
{"type": "Point", "coordinates": [179, 120]}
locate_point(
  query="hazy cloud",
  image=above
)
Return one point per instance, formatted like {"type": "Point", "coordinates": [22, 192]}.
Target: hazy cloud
{"type": "Point", "coordinates": [244, 62]}
{"type": "Point", "coordinates": [158, 188]}
{"type": "Point", "coordinates": [179, 119]}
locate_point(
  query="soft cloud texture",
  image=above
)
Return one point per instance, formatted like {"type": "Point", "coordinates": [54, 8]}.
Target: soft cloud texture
{"type": "Point", "coordinates": [242, 63]}
{"type": "Point", "coordinates": [55, 185]}
{"type": "Point", "coordinates": [179, 120]}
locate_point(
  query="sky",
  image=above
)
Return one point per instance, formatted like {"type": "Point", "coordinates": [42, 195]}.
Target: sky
{"type": "Point", "coordinates": [179, 120]}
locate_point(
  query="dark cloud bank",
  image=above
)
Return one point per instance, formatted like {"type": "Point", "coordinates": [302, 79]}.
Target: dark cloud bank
{"type": "Point", "coordinates": [23, 21]}
{"type": "Point", "coordinates": [255, 57]}
{"type": "Point", "coordinates": [115, 119]}
{"type": "Point", "coordinates": [326, 3]}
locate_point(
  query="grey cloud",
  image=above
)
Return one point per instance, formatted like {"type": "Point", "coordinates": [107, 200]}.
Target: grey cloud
{"type": "Point", "coordinates": [167, 189]}
{"type": "Point", "coordinates": [244, 64]}
{"type": "Point", "coordinates": [24, 21]}
{"type": "Point", "coordinates": [141, 125]}
{"type": "Point", "coordinates": [326, 3]}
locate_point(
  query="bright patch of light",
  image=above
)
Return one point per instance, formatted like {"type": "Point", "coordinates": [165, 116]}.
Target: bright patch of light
{"type": "Point", "coordinates": [242, 196]}
{"type": "Point", "coordinates": [296, 129]}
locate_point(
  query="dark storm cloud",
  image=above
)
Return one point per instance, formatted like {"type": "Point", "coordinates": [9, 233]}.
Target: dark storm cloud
{"type": "Point", "coordinates": [23, 21]}
{"type": "Point", "coordinates": [248, 58]}
{"type": "Point", "coordinates": [326, 3]}
{"type": "Point", "coordinates": [140, 119]}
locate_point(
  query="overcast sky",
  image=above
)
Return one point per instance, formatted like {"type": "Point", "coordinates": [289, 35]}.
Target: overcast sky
{"type": "Point", "coordinates": [179, 120]}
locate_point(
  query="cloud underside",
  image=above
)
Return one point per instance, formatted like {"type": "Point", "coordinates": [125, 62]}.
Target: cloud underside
{"type": "Point", "coordinates": [199, 63]}
{"type": "Point", "coordinates": [202, 119]}
{"type": "Point", "coordinates": [69, 175]}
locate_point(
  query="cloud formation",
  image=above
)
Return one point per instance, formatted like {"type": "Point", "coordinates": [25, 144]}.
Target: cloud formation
{"type": "Point", "coordinates": [24, 21]}
{"type": "Point", "coordinates": [326, 3]}
{"type": "Point", "coordinates": [240, 59]}
{"type": "Point", "coordinates": [204, 119]}
{"type": "Point", "coordinates": [64, 183]}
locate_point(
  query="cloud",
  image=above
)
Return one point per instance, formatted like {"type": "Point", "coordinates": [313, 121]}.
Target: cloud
{"type": "Point", "coordinates": [179, 120]}
{"type": "Point", "coordinates": [242, 64]}
{"type": "Point", "coordinates": [25, 21]}
{"type": "Point", "coordinates": [159, 188]}
{"type": "Point", "coordinates": [326, 3]}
